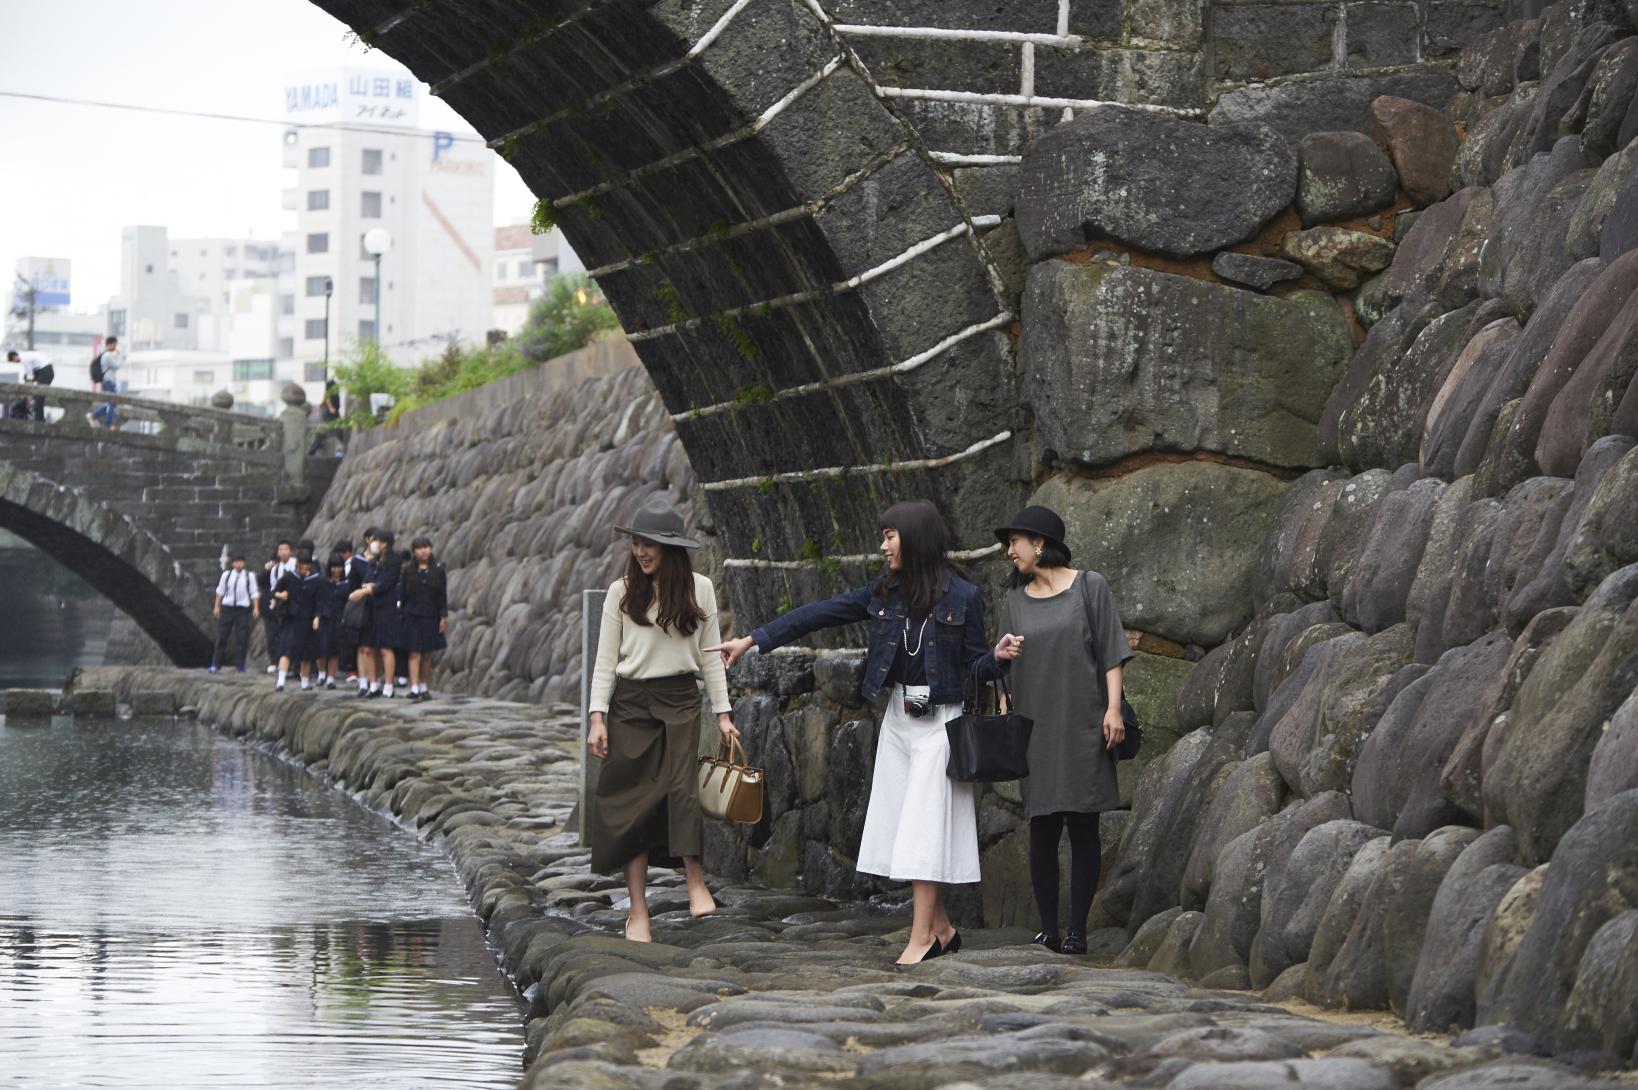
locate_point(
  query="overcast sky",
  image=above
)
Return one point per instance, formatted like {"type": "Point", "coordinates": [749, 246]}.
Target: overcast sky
{"type": "Point", "coordinates": [72, 176]}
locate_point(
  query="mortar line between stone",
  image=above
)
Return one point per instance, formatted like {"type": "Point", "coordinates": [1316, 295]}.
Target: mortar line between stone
{"type": "Point", "coordinates": [902, 367]}
{"type": "Point", "coordinates": [849, 284]}
{"type": "Point", "coordinates": [985, 98]}
{"type": "Point", "coordinates": [860, 470]}
{"type": "Point", "coordinates": [1063, 17]}
{"type": "Point", "coordinates": [927, 33]}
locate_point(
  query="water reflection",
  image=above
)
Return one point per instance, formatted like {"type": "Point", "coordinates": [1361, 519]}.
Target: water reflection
{"type": "Point", "coordinates": [179, 911]}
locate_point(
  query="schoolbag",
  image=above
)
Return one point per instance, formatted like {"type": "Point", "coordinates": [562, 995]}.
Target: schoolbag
{"type": "Point", "coordinates": [96, 368]}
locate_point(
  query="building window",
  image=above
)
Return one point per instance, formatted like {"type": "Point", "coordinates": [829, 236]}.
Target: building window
{"type": "Point", "coordinates": [366, 289]}
{"type": "Point", "coordinates": [548, 268]}
{"type": "Point", "coordinates": [318, 243]}
{"type": "Point", "coordinates": [315, 286]}
{"type": "Point", "coordinates": [204, 378]}
{"type": "Point", "coordinates": [116, 323]}
{"type": "Point", "coordinates": [233, 251]}
{"type": "Point", "coordinates": [314, 371]}
{"type": "Point", "coordinates": [318, 200]}
{"type": "Point", "coordinates": [249, 370]}
{"type": "Point", "coordinates": [366, 330]}
{"type": "Point", "coordinates": [287, 347]}
{"type": "Point", "coordinates": [318, 157]}
{"type": "Point", "coordinates": [150, 268]}
{"type": "Point", "coordinates": [181, 321]}
{"type": "Point", "coordinates": [370, 205]}
{"type": "Point", "coordinates": [372, 160]}
{"type": "Point", "coordinates": [315, 329]}
{"type": "Point", "coordinates": [287, 303]}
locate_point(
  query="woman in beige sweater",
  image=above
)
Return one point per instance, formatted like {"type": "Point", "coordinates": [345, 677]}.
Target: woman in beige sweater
{"type": "Point", "coordinates": [645, 713]}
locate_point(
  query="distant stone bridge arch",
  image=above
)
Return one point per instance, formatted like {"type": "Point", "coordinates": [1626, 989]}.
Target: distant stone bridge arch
{"type": "Point", "coordinates": [143, 514]}
{"type": "Point", "coordinates": [799, 208]}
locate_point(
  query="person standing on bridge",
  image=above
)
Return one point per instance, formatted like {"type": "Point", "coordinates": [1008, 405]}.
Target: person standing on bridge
{"type": "Point", "coordinates": [238, 602]}
{"type": "Point", "coordinates": [375, 657]}
{"type": "Point", "coordinates": [659, 621]}
{"type": "Point", "coordinates": [39, 371]}
{"type": "Point", "coordinates": [104, 365]}
{"type": "Point", "coordinates": [926, 627]}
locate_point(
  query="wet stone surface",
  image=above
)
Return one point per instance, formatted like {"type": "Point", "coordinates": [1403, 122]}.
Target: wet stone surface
{"type": "Point", "coordinates": [780, 989]}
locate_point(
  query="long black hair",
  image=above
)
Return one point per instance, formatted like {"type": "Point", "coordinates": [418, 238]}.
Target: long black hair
{"type": "Point", "coordinates": [679, 611]}
{"type": "Point", "coordinates": [924, 554]}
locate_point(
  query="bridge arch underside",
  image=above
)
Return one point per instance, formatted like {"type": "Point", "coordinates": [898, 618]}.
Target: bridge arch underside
{"type": "Point", "coordinates": [123, 562]}
{"type": "Point", "coordinates": [807, 290]}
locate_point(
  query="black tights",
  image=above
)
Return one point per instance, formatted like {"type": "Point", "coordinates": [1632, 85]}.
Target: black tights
{"type": "Point", "coordinates": [1085, 858]}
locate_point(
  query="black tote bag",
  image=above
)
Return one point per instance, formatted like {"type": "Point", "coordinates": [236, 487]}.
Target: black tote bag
{"type": "Point", "coordinates": [1127, 748]}
{"type": "Point", "coordinates": [987, 747]}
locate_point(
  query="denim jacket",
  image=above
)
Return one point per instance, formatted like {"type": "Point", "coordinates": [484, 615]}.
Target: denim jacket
{"type": "Point", "coordinates": [957, 633]}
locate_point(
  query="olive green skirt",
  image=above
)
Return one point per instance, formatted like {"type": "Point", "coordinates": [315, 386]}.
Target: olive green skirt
{"type": "Point", "coordinates": [647, 790]}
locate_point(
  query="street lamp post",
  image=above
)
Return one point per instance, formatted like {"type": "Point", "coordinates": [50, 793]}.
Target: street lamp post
{"type": "Point", "coordinates": [329, 290]}
{"type": "Point", "coordinates": [377, 241]}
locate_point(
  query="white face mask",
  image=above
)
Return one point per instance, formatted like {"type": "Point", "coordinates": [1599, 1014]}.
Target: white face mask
{"type": "Point", "coordinates": [375, 547]}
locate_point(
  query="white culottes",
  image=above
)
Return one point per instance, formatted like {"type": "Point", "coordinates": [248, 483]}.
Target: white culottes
{"type": "Point", "coordinates": [920, 824]}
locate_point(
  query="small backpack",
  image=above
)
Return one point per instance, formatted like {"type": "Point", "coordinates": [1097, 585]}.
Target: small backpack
{"type": "Point", "coordinates": [96, 368]}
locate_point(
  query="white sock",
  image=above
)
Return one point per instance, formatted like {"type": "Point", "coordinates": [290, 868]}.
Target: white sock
{"type": "Point", "coordinates": [282, 675]}
{"type": "Point", "coordinates": [386, 690]}
{"type": "Point", "coordinates": [304, 684]}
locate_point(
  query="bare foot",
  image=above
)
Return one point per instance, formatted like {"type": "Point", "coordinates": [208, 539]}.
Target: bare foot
{"type": "Point", "coordinates": [701, 903]}
{"type": "Point", "coordinates": [637, 931]}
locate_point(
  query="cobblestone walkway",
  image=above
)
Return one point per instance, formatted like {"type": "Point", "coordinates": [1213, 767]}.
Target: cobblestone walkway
{"type": "Point", "coordinates": [781, 989]}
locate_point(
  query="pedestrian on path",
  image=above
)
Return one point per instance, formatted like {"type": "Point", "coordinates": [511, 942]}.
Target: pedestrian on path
{"type": "Point", "coordinates": [332, 602]}
{"type": "Point", "coordinates": [283, 561]}
{"type": "Point", "coordinates": [297, 593]}
{"type": "Point", "coordinates": [238, 603]}
{"type": "Point", "coordinates": [659, 627]}
{"type": "Point", "coordinates": [424, 614]}
{"type": "Point", "coordinates": [104, 365]}
{"type": "Point", "coordinates": [926, 625]}
{"type": "Point", "coordinates": [1069, 683]}
{"type": "Point", "coordinates": [375, 656]}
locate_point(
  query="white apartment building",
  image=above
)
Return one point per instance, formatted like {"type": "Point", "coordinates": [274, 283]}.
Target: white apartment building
{"type": "Point", "coordinates": [175, 294]}
{"type": "Point", "coordinates": [524, 265]}
{"type": "Point", "coordinates": [361, 163]}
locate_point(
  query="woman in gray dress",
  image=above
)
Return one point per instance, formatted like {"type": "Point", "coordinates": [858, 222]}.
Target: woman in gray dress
{"type": "Point", "coordinates": [1063, 650]}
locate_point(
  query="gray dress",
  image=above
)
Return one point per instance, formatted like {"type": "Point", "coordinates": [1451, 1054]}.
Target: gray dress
{"type": "Point", "coordinates": [1058, 683]}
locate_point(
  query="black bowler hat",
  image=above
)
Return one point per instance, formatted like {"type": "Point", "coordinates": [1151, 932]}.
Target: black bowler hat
{"type": "Point", "coordinates": [660, 523]}
{"type": "Point", "coordinates": [1038, 521]}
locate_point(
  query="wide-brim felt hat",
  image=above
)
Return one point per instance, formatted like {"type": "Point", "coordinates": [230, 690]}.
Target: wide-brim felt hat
{"type": "Point", "coordinates": [1037, 521]}
{"type": "Point", "coordinates": [660, 523]}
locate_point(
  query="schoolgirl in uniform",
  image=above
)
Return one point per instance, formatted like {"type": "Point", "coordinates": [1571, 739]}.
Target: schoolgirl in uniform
{"type": "Point", "coordinates": [382, 572]}
{"type": "Point", "coordinates": [424, 613]}
{"type": "Point", "coordinates": [332, 601]}
{"type": "Point", "coordinates": [297, 594]}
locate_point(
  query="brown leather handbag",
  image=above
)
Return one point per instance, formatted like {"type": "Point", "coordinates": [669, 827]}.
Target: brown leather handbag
{"type": "Point", "coordinates": [730, 788]}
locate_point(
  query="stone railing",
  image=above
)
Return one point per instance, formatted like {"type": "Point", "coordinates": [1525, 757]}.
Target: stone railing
{"type": "Point", "coordinates": [186, 427]}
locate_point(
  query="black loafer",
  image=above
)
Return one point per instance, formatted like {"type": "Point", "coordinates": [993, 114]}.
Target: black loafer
{"type": "Point", "coordinates": [1048, 939]}
{"type": "Point", "coordinates": [1074, 943]}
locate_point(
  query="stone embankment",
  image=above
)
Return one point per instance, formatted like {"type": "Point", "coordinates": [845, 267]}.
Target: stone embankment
{"type": "Point", "coordinates": [519, 485]}
{"type": "Point", "coordinates": [781, 988]}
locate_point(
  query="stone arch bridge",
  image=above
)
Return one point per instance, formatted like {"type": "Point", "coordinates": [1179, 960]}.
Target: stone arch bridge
{"type": "Point", "coordinates": [143, 513]}
{"type": "Point", "coordinates": [801, 209]}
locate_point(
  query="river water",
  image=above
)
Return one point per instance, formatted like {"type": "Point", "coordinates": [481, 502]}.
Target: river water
{"type": "Point", "coordinates": [180, 911]}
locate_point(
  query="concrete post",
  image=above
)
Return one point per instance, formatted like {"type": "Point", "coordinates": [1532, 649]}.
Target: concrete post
{"type": "Point", "coordinates": [591, 625]}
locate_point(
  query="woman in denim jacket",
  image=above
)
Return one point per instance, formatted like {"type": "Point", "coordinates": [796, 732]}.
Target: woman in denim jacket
{"type": "Point", "coordinates": [926, 624]}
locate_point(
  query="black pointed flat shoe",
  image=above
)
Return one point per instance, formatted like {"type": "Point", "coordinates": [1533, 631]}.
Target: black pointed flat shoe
{"type": "Point", "coordinates": [1074, 943]}
{"type": "Point", "coordinates": [1048, 939]}
{"type": "Point", "coordinates": [954, 946]}
{"type": "Point", "coordinates": [933, 951]}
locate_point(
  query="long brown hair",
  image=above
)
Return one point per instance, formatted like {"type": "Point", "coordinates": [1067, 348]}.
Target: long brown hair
{"type": "Point", "coordinates": [924, 547]}
{"type": "Point", "coordinates": [679, 612]}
